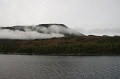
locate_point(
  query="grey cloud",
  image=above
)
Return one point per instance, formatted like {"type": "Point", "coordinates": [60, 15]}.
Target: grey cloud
{"type": "Point", "coordinates": [26, 35]}
{"type": "Point", "coordinates": [37, 32]}
{"type": "Point", "coordinates": [101, 31]}
{"type": "Point", "coordinates": [60, 29]}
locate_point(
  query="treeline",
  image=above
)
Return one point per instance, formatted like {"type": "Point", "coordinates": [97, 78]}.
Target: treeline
{"type": "Point", "coordinates": [106, 46]}
{"type": "Point", "coordinates": [65, 49]}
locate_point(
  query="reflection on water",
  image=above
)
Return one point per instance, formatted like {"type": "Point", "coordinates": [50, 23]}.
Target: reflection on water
{"type": "Point", "coordinates": [59, 67]}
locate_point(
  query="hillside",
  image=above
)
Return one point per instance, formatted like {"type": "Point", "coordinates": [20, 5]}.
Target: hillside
{"type": "Point", "coordinates": [80, 45]}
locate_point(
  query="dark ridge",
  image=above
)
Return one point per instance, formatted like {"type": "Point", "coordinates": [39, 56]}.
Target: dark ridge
{"type": "Point", "coordinates": [10, 28]}
{"type": "Point", "coordinates": [20, 28]}
{"type": "Point", "coordinates": [47, 25]}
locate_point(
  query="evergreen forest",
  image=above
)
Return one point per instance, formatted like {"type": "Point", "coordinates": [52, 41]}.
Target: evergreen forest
{"type": "Point", "coordinates": [81, 45]}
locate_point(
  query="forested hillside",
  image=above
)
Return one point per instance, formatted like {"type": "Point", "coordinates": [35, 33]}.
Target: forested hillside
{"type": "Point", "coordinates": [81, 45]}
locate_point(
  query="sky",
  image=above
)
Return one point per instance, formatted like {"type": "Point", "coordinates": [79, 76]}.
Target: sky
{"type": "Point", "coordinates": [90, 17]}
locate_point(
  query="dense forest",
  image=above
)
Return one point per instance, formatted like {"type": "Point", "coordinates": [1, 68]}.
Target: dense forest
{"type": "Point", "coordinates": [81, 45]}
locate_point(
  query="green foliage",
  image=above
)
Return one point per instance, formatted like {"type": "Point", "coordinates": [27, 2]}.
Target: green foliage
{"type": "Point", "coordinates": [105, 46]}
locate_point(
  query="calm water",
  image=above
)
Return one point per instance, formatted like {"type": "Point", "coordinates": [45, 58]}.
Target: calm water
{"type": "Point", "coordinates": [59, 67]}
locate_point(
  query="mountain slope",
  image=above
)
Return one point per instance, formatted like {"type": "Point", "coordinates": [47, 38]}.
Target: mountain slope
{"type": "Point", "coordinates": [58, 29]}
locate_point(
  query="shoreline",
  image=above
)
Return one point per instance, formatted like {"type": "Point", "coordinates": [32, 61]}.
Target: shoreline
{"type": "Point", "coordinates": [56, 54]}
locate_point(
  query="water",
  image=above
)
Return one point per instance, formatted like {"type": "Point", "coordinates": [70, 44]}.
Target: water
{"type": "Point", "coordinates": [59, 67]}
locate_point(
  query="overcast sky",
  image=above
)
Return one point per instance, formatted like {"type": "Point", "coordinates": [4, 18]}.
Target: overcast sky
{"type": "Point", "coordinates": [98, 17]}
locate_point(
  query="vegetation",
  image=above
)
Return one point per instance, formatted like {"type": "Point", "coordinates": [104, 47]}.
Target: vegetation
{"type": "Point", "coordinates": [84, 45]}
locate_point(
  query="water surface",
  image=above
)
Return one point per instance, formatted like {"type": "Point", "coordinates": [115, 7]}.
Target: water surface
{"type": "Point", "coordinates": [59, 67]}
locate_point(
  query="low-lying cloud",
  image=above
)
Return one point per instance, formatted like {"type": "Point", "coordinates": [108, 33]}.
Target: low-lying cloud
{"type": "Point", "coordinates": [100, 31]}
{"type": "Point", "coordinates": [56, 29]}
{"type": "Point", "coordinates": [36, 32]}
{"type": "Point", "coordinates": [9, 34]}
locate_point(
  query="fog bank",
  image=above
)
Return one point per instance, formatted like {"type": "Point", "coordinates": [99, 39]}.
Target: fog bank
{"type": "Point", "coordinates": [8, 34]}
{"type": "Point", "coordinates": [35, 32]}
